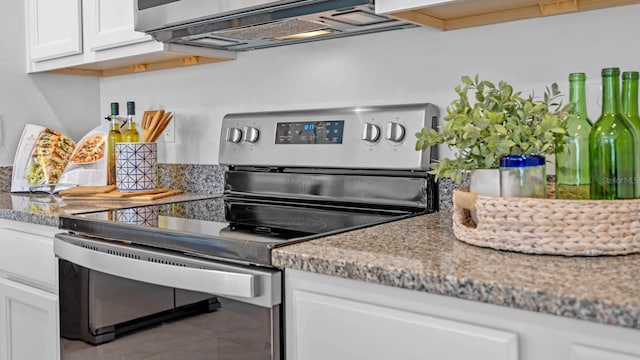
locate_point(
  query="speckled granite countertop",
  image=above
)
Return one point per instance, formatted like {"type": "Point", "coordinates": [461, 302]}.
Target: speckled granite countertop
{"type": "Point", "coordinates": [422, 254]}
{"type": "Point", "coordinates": [199, 181]}
{"type": "Point", "coordinates": [45, 209]}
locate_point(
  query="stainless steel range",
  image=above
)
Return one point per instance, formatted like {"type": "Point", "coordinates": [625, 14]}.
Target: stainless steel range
{"type": "Point", "coordinates": [201, 270]}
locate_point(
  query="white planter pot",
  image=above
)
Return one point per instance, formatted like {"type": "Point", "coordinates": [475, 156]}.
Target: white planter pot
{"type": "Point", "coordinates": [485, 182]}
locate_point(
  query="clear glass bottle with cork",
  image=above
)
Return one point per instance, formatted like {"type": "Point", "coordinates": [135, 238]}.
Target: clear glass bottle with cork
{"type": "Point", "coordinates": [572, 158]}
{"type": "Point", "coordinates": [629, 100]}
{"type": "Point", "coordinates": [613, 145]}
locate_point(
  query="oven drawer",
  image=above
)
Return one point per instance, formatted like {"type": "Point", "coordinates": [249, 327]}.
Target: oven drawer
{"type": "Point", "coordinates": [257, 286]}
{"type": "Point", "coordinates": [210, 308]}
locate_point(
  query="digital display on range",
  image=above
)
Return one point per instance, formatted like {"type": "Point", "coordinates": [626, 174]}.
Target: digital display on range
{"type": "Point", "coordinates": [310, 132]}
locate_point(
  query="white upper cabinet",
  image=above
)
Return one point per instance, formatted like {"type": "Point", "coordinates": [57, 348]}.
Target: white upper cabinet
{"type": "Point", "coordinates": [54, 36]}
{"type": "Point", "coordinates": [112, 25]}
{"type": "Point", "coordinates": [456, 14]}
{"type": "Point", "coordinates": [96, 37]}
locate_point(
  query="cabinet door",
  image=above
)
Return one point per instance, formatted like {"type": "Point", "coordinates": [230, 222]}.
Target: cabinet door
{"type": "Point", "coordinates": [35, 243]}
{"type": "Point", "coordinates": [109, 24]}
{"type": "Point", "coordinates": [331, 327]}
{"type": "Point", "coordinates": [29, 327]}
{"type": "Point", "coordinates": [587, 352]}
{"type": "Point", "coordinates": [54, 28]}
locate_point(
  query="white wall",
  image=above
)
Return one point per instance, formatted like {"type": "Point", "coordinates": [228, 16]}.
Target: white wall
{"type": "Point", "coordinates": [405, 66]}
{"type": "Point", "coordinates": [66, 103]}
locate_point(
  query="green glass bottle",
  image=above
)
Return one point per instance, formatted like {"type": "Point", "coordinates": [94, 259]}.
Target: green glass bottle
{"type": "Point", "coordinates": [612, 146]}
{"type": "Point", "coordinates": [630, 97]}
{"type": "Point", "coordinates": [131, 134]}
{"type": "Point", "coordinates": [113, 137]}
{"type": "Point", "coordinates": [572, 161]}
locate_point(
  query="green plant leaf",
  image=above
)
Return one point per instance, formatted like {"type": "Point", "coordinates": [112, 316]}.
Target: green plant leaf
{"type": "Point", "coordinates": [467, 80]}
{"type": "Point", "coordinates": [499, 122]}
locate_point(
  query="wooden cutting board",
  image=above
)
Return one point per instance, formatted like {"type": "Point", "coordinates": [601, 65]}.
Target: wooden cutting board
{"type": "Point", "coordinates": [87, 190]}
{"type": "Point", "coordinates": [156, 196]}
{"type": "Point", "coordinates": [127, 194]}
{"type": "Point", "coordinates": [105, 194]}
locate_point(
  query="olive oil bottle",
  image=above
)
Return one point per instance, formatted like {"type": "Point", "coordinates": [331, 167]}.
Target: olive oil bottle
{"type": "Point", "coordinates": [131, 133]}
{"type": "Point", "coordinates": [113, 137]}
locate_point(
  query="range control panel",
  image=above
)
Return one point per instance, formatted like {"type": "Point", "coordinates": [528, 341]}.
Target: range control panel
{"type": "Point", "coordinates": [310, 132]}
{"type": "Point", "coordinates": [372, 137]}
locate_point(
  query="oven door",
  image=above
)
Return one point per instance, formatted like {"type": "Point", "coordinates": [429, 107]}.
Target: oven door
{"type": "Point", "coordinates": [163, 305]}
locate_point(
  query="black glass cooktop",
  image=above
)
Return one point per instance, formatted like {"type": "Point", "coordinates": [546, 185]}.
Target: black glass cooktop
{"type": "Point", "coordinates": [231, 229]}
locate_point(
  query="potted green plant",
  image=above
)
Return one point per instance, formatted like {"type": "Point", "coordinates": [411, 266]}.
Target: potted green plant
{"type": "Point", "coordinates": [498, 122]}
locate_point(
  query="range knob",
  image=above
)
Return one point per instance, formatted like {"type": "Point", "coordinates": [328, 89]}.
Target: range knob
{"type": "Point", "coordinates": [370, 132]}
{"type": "Point", "coordinates": [251, 134]}
{"type": "Point", "coordinates": [395, 132]}
{"type": "Point", "coordinates": [234, 135]}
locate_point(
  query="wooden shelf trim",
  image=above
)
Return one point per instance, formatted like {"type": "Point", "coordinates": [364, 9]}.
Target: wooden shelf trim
{"type": "Point", "coordinates": [558, 7]}
{"type": "Point", "coordinates": [141, 67]}
{"type": "Point", "coordinates": [425, 16]}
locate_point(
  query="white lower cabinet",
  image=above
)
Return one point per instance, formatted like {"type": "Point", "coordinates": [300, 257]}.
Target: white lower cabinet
{"type": "Point", "coordinates": [30, 323]}
{"type": "Point", "coordinates": [335, 318]}
{"type": "Point", "coordinates": [586, 352]}
{"type": "Point", "coordinates": [29, 311]}
{"type": "Point", "coordinates": [358, 330]}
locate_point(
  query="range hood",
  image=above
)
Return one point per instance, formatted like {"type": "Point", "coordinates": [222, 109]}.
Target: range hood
{"type": "Point", "coordinates": [255, 24]}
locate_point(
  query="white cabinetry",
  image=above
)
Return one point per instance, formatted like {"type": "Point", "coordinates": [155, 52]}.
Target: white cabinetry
{"type": "Point", "coordinates": [330, 327]}
{"type": "Point", "coordinates": [96, 37]}
{"type": "Point", "coordinates": [111, 25]}
{"type": "Point", "coordinates": [29, 314]}
{"type": "Point", "coordinates": [30, 325]}
{"type": "Point", "coordinates": [54, 36]}
{"type": "Point", "coordinates": [335, 318]}
{"type": "Point", "coordinates": [455, 14]}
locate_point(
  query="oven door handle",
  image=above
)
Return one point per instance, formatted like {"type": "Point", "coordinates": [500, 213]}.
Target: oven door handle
{"type": "Point", "coordinates": [212, 281]}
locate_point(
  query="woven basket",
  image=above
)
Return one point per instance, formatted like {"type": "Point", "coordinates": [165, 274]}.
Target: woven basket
{"type": "Point", "coordinates": [548, 226]}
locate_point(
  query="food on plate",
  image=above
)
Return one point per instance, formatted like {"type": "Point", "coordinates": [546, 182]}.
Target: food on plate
{"type": "Point", "coordinates": [47, 140]}
{"type": "Point", "coordinates": [39, 151]}
{"type": "Point", "coordinates": [92, 149]}
{"type": "Point", "coordinates": [66, 144]}
{"type": "Point", "coordinates": [49, 158]}
{"type": "Point", "coordinates": [35, 174]}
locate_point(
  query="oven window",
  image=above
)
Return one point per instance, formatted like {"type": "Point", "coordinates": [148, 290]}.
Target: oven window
{"type": "Point", "coordinates": [103, 316]}
{"type": "Point", "coordinates": [234, 331]}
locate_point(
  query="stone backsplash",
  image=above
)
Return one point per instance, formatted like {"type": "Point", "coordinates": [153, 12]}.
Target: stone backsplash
{"type": "Point", "coordinates": [209, 179]}
{"type": "Point", "coordinates": [203, 179]}
{"type": "Point", "coordinates": [197, 178]}
{"type": "Point", "coordinates": [445, 192]}
{"type": "Point", "coordinates": [5, 178]}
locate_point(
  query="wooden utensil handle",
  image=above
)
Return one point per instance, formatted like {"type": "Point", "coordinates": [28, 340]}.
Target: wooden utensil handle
{"type": "Point", "coordinates": [160, 127]}
{"type": "Point", "coordinates": [153, 124]}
